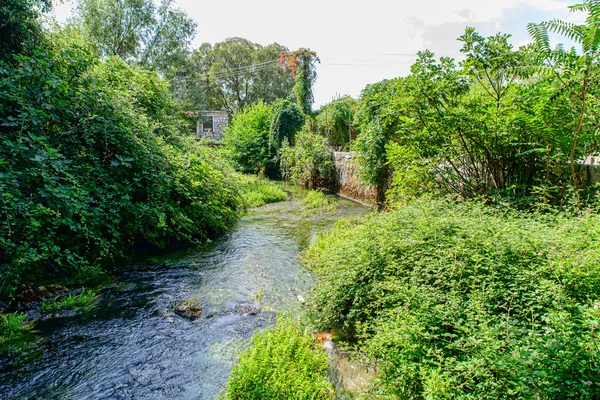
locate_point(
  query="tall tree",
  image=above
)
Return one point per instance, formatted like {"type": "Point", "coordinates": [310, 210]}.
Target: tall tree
{"type": "Point", "coordinates": [236, 73]}
{"type": "Point", "coordinates": [19, 26]}
{"type": "Point", "coordinates": [578, 74]}
{"type": "Point", "coordinates": [139, 31]}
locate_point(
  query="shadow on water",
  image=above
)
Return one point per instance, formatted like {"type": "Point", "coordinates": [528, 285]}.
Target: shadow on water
{"type": "Point", "coordinates": [134, 346]}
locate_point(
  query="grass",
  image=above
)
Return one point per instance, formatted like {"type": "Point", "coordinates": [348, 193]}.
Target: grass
{"type": "Point", "coordinates": [316, 201]}
{"type": "Point", "coordinates": [282, 363]}
{"type": "Point", "coordinates": [462, 301]}
{"type": "Point", "coordinates": [257, 192]}
{"type": "Point", "coordinates": [14, 332]}
{"type": "Point", "coordinates": [70, 302]}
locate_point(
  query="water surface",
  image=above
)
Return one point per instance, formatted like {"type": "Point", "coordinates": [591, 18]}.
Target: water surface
{"type": "Point", "coordinates": [132, 346]}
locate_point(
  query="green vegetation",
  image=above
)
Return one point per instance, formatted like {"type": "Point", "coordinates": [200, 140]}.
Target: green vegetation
{"type": "Point", "coordinates": [317, 201]}
{"type": "Point", "coordinates": [286, 122]}
{"type": "Point", "coordinates": [14, 331]}
{"type": "Point", "coordinates": [309, 161]}
{"type": "Point", "coordinates": [335, 119]}
{"type": "Point", "coordinates": [464, 301]}
{"type": "Point", "coordinates": [247, 138]}
{"type": "Point", "coordinates": [153, 35]}
{"type": "Point", "coordinates": [69, 302]}
{"type": "Point", "coordinates": [301, 64]}
{"type": "Point", "coordinates": [505, 124]}
{"type": "Point", "coordinates": [94, 159]}
{"type": "Point", "coordinates": [282, 363]}
{"type": "Point", "coordinates": [256, 192]}
{"type": "Point", "coordinates": [236, 73]}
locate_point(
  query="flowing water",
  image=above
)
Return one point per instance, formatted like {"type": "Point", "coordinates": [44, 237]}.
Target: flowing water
{"type": "Point", "coordinates": [132, 346]}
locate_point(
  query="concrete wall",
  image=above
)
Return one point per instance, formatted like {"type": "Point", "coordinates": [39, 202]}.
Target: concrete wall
{"type": "Point", "coordinates": [347, 180]}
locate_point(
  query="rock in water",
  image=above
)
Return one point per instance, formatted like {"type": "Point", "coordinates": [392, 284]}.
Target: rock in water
{"type": "Point", "coordinates": [191, 312]}
{"type": "Point", "coordinates": [301, 299]}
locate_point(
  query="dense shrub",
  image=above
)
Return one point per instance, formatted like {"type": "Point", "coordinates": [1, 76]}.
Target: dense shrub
{"type": "Point", "coordinates": [335, 119]}
{"type": "Point", "coordinates": [20, 30]}
{"type": "Point", "coordinates": [282, 363]}
{"type": "Point", "coordinates": [461, 301]}
{"type": "Point", "coordinates": [310, 161]}
{"type": "Point", "coordinates": [247, 138]}
{"type": "Point", "coordinates": [287, 120]}
{"type": "Point", "coordinates": [92, 161]}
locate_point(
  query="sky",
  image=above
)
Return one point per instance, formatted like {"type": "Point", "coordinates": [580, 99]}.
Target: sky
{"type": "Point", "coordinates": [363, 42]}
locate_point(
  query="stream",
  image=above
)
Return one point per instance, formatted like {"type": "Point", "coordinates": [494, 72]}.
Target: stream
{"type": "Point", "coordinates": [133, 346]}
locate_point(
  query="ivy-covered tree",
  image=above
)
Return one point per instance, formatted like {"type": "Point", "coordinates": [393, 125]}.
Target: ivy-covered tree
{"type": "Point", "coordinates": [334, 121]}
{"type": "Point", "coordinates": [301, 64]}
{"type": "Point", "coordinates": [287, 120]}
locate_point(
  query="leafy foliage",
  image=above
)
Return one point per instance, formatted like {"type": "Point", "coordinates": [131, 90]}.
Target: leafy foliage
{"type": "Point", "coordinates": [335, 119]}
{"type": "Point", "coordinates": [463, 301]}
{"type": "Point", "coordinates": [14, 332]}
{"type": "Point", "coordinates": [577, 75]}
{"type": "Point", "coordinates": [236, 73]}
{"type": "Point", "coordinates": [504, 121]}
{"type": "Point", "coordinates": [247, 138]}
{"type": "Point", "coordinates": [20, 30]}
{"type": "Point", "coordinates": [301, 64]}
{"type": "Point", "coordinates": [310, 161]}
{"type": "Point", "coordinates": [282, 363]}
{"type": "Point", "coordinates": [93, 161]}
{"type": "Point", "coordinates": [317, 201]}
{"type": "Point", "coordinates": [286, 122]}
{"type": "Point", "coordinates": [155, 36]}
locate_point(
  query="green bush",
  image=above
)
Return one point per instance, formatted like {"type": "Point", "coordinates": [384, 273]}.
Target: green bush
{"type": "Point", "coordinates": [282, 363]}
{"type": "Point", "coordinates": [256, 192]}
{"type": "Point", "coordinates": [287, 120]}
{"type": "Point", "coordinates": [461, 301]}
{"type": "Point", "coordinates": [94, 159]}
{"type": "Point", "coordinates": [247, 138]}
{"type": "Point", "coordinates": [310, 161]}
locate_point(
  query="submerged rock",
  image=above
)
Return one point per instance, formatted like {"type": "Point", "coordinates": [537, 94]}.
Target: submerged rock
{"type": "Point", "coordinates": [352, 377]}
{"type": "Point", "coordinates": [191, 312]}
{"type": "Point", "coordinates": [246, 310]}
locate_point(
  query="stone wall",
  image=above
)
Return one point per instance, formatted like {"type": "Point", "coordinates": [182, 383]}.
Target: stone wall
{"type": "Point", "coordinates": [347, 180]}
{"type": "Point", "coordinates": [591, 174]}
{"type": "Point", "coordinates": [220, 122]}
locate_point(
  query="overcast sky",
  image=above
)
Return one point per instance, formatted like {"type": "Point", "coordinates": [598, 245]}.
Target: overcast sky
{"type": "Point", "coordinates": [362, 42]}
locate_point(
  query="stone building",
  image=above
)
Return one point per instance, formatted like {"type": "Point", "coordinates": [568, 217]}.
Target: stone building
{"type": "Point", "coordinates": [212, 123]}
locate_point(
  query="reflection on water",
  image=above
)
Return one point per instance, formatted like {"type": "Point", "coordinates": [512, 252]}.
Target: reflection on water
{"type": "Point", "coordinates": [134, 346]}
